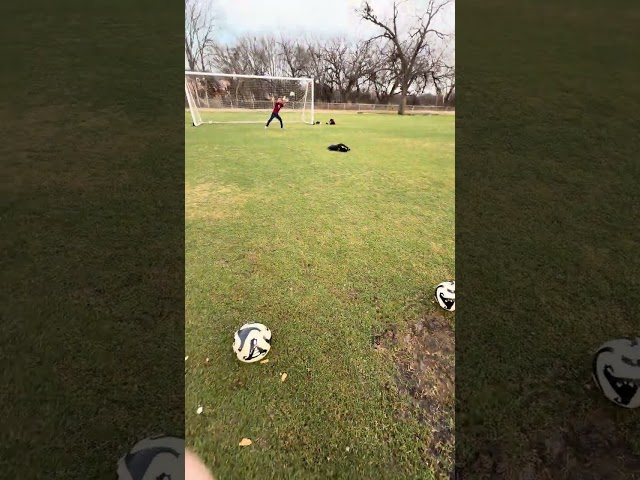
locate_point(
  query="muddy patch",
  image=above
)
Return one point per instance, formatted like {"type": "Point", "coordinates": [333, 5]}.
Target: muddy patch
{"type": "Point", "coordinates": [588, 449]}
{"type": "Point", "coordinates": [425, 360]}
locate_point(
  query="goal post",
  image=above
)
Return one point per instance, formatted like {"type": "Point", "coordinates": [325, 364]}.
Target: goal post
{"type": "Point", "coordinates": [213, 98]}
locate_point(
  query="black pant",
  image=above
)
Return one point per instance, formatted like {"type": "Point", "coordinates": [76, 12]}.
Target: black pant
{"type": "Point", "coordinates": [277, 117]}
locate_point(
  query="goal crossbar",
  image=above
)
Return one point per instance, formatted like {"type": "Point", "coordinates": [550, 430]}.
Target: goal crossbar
{"type": "Point", "coordinates": [213, 97]}
{"type": "Point", "coordinates": [241, 75]}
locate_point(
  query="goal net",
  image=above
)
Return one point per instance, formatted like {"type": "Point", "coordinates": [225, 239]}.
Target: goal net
{"type": "Point", "coordinates": [233, 98]}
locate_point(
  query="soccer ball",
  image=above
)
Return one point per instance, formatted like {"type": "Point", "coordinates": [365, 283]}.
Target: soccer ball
{"type": "Point", "coordinates": [616, 371]}
{"type": "Point", "coordinates": [154, 457]}
{"type": "Point", "coordinates": [446, 295]}
{"type": "Point", "coordinates": [252, 342]}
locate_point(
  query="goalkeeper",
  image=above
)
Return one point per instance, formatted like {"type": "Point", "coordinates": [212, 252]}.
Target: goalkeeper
{"type": "Point", "coordinates": [275, 114]}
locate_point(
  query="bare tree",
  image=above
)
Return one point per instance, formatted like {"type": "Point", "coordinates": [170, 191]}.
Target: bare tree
{"type": "Point", "coordinates": [199, 27]}
{"type": "Point", "coordinates": [451, 86]}
{"type": "Point", "coordinates": [317, 68]}
{"type": "Point", "coordinates": [267, 51]}
{"type": "Point", "coordinates": [406, 50]}
{"type": "Point", "coordinates": [346, 64]}
{"type": "Point", "coordinates": [343, 70]}
{"type": "Point", "coordinates": [295, 56]}
{"type": "Point", "coordinates": [444, 80]}
{"type": "Point", "coordinates": [249, 55]}
{"type": "Point", "coordinates": [435, 66]}
{"type": "Point", "coordinates": [448, 74]}
{"type": "Point", "coordinates": [382, 76]}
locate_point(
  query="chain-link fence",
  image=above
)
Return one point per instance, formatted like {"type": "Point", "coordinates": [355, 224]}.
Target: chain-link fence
{"type": "Point", "coordinates": [370, 107]}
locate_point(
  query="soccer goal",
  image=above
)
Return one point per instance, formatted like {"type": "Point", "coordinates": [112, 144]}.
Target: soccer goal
{"type": "Point", "coordinates": [233, 98]}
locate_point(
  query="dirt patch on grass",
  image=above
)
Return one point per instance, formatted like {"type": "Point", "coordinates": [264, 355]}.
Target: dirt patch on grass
{"type": "Point", "coordinates": [587, 449]}
{"type": "Point", "coordinates": [425, 360]}
{"type": "Point", "coordinates": [213, 201]}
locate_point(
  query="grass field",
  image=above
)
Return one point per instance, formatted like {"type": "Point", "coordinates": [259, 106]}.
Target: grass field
{"type": "Point", "coordinates": [547, 220]}
{"type": "Point", "coordinates": [328, 250]}
{"type": "Point", "coordinates": [91, 263]}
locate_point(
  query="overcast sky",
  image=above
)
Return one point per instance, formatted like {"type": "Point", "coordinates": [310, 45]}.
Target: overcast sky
{"type": "Point", "coordinates": [315, 17]}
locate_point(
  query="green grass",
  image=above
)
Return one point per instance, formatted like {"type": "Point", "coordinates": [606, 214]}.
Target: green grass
{"type": "Point", "coordinates": [326, 249]}
{"type": "Point", "coordinates": [548, 217]}
{"type": "Point", "coordinates": [92, 212]}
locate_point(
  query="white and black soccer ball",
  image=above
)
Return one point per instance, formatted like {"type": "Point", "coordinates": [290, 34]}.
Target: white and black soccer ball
{"type": "Point", "coordinates": [154, 458]}
{"type": "Point", "coordinates": [446, 295]}
{"type": "Point", "coordinates": [616, 371]}
{"type": "Point", "coordinates": [252, 342]}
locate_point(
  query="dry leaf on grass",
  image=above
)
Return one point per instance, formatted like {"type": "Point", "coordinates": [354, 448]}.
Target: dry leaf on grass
{"type": "Point", "coordinates": [266, 360]}
{"type": "Point", "coordinates": [245, 442]}
{"type": "Point", "coordinates": [283, 377]}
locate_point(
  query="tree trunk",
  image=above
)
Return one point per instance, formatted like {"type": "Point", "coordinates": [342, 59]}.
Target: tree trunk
{"type": "Point", "coordinates": [403, 100]}
{"type": "Point", "coordinates": [449, 92]}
